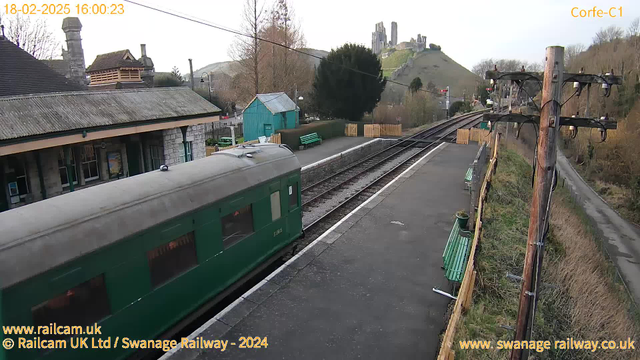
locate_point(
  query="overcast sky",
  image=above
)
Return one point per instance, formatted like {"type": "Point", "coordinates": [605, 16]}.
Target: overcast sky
{"type": "Point", "coordinates": [468, 31]}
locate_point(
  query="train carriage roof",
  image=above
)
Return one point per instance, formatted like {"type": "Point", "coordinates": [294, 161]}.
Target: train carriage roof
{"type": "Point", "coordinates": [43, 235]}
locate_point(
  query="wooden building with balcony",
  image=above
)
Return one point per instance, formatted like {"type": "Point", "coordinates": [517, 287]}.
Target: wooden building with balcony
{"type": "Point", "coordinates": [116, 70]}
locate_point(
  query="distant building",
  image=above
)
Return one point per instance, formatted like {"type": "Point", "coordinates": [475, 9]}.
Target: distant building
{"type": "Point", "coordinates": [267, 113]}
{"type": "Point", "coordinates": [394, 34]}
{"type": "Point", "coordinates": [116, 70]}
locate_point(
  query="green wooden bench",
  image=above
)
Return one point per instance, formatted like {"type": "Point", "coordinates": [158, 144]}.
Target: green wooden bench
{"type": "Point", "coordinates": [468, 178]}
{"type": "Point", "coordinates": [310, 139]}
{"type": "Point", "coordinates": [456, 254]}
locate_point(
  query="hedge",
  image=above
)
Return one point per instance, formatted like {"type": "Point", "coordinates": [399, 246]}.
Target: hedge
{"type": "Point", "coordinates": [326, 130]}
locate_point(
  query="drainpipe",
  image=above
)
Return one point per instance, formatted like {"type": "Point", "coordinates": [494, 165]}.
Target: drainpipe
{"type": "Point", "coordinates": [184, 142]}
{"type": "Point", "coordinates": [43, 189]}
{"type": "Point", "coordinates": [67, 160]}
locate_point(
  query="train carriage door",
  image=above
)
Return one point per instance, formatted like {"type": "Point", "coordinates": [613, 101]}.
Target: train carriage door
{"type": "Point", "coordinates": [293, 205]}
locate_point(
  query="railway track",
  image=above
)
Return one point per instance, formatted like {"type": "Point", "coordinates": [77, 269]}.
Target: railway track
{"type": "Point", "coordinates": [350, 187]}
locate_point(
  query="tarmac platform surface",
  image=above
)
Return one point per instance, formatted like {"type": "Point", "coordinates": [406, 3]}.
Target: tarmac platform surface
{"type": "Point", "coordinates": [328, 148]}
{"type": "Point", "coordinates": [364, 288]}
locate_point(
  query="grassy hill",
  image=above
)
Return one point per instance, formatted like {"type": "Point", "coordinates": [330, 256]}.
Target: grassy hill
{"type": "Point", "coordinates": [430, 65]}
{"type": "Point", "coordinates": [395, 60]}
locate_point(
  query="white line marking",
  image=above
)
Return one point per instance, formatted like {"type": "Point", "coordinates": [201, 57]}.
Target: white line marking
{"type": "Point", "coordinates": [230, 307]}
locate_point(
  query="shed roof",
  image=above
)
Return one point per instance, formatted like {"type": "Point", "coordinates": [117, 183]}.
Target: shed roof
{"type": "Point", "coordinates": [21, 73]}
{"type": "Point", "coordinates": [30, 115]}
{"type": "Point", "coordinates": [276, 102]}
{"type": "Point", "coordinates": [114, 60]}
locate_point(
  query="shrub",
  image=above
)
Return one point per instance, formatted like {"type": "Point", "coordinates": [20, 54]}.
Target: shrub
{"type": "Point", "coordinates": [326, 130]}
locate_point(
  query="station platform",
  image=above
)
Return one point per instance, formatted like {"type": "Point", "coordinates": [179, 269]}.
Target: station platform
{"type": "Point", "coordinates": [328, 148]}
{"type": "Point", "coordinates": [364, 288]}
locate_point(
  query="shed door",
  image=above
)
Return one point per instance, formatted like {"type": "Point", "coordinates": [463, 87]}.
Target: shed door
{"type": "Point", "coordinates": [268, 130]}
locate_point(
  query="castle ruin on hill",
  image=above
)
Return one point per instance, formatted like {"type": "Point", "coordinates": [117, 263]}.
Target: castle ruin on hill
{"type": "Point", "coordinates": [379, 40]}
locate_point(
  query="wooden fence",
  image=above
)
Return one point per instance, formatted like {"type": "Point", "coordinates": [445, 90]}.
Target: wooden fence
{"type": "Point", "coordinates": [377, 130]}
{"type": "Point", "coordinates": [465, 293]}
{"type": "Point", "coordinates": [479, 135]}
{"type": "Point", "coordinates": [462, 136]}
{"type": "Point", "coordinates": [351, 130]}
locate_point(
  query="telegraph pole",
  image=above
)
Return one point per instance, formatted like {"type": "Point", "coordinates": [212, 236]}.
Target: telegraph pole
{"type": "Point", "coordinates": [543, 182]}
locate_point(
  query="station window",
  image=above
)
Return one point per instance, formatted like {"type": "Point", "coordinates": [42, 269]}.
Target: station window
{"type": "Point", "coordinates": [89, 163]}
{"type": "Point", "coordinates": [82, 305]}
{"type": "Point", "coordinates": [236, 226]}
{"type": "Point", "coordinates": [172, 259]}
{"type": "Point", "coordinates": [62, 168]}
{"type": "Point", "coordinates": [293, 196]}
{"type": "Point", "coordinates": [189, 151]}
{"type": "Point", "coordinates": [275, 206]}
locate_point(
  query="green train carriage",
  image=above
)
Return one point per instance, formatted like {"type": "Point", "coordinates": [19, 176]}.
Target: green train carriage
{"type": "Point", "coordinates": [138, 255]}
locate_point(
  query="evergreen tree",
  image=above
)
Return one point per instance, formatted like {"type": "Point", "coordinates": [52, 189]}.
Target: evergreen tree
{"type": "Point", "coordinates": [341, 92]}
{"type": "Point", "coordinates": [416, 84]}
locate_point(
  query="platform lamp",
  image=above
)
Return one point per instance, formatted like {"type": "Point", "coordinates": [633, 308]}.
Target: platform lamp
{"type": "Point", "coordinates": [209, 82]}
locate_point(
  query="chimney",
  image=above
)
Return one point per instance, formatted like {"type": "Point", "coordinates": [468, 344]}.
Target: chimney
{"type": "Point", "coordinates": [149, 70]}
{"type": "Point", "coordinates": [71, 27]}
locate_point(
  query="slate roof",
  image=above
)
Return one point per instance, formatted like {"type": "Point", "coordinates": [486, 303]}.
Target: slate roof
{"type": "Point", "coordinates": [32, 115]}
{"type": "Point", "coordinates": [21, 73]}
{"type": "Point", "coordinates": [58, 65]}
{"type": "Point", "coordinates": [276, 102]}
{"type": "Point", "coordinates": [113, 60]}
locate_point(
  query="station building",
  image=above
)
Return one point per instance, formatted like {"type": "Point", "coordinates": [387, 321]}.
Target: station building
{"type": "Point", "coordinates": [57, 137]}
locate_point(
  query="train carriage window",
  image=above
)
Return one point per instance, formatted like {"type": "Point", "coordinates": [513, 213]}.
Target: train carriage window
{"type": "Point", "coordinates": [82, 305]}
{"type": "Point", "coordinates": [275, 206]}
{"type": "Point", "coordinates": [293, 196]}
{"type": "Point", "coordinates": [236, 226]}
{"type": "Point", "coordinates": [172, 259]}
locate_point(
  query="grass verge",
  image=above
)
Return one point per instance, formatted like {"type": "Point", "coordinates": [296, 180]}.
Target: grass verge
{"type": "Point", "coordinates": [581, 296]}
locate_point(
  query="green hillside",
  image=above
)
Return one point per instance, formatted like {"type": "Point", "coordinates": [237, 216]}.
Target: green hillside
{"type": "Point", "coordinates": [434, 66]}
{"type": "Point", "coordinates": [395, 60]}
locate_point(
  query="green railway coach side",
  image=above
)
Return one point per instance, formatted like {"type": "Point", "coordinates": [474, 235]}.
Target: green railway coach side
{"type": "Point", "coordinates": [140, 286]}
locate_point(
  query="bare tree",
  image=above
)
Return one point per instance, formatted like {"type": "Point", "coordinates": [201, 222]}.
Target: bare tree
{"type": "Point", "coordinates": [571, 52]}
{"type": "Point", "coordinates": [634, 28]}
{"type": "Point", "coordinates": [607, 35]}
{"type": "Point", "coordinates": [247, 50]}
{"type": "Point", "coordinates": [483, 66]}
{"type": "Point", "coordinates": [33, 37]}
{"type": "Point", "coordinates": [288, 70]}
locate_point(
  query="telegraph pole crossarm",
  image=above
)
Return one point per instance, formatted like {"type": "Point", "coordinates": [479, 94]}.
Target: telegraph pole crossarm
{"type": "Point", "coordinates": [608, 124]}
{"type": "Point", "coordinates": [608, 78]}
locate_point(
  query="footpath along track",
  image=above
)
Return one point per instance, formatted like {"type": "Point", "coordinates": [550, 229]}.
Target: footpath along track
{"type": "Point", "coordinates": [325, 203]}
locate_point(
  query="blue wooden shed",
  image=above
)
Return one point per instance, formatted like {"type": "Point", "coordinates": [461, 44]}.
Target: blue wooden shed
{"type": "Point", "coordinates": [267, 113]}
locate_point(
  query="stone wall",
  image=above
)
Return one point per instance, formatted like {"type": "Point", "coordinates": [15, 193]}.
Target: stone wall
{"type": "Point", "coordinates": [174, 148]}
{"type": "Point", "coordinates": [329, 166]}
